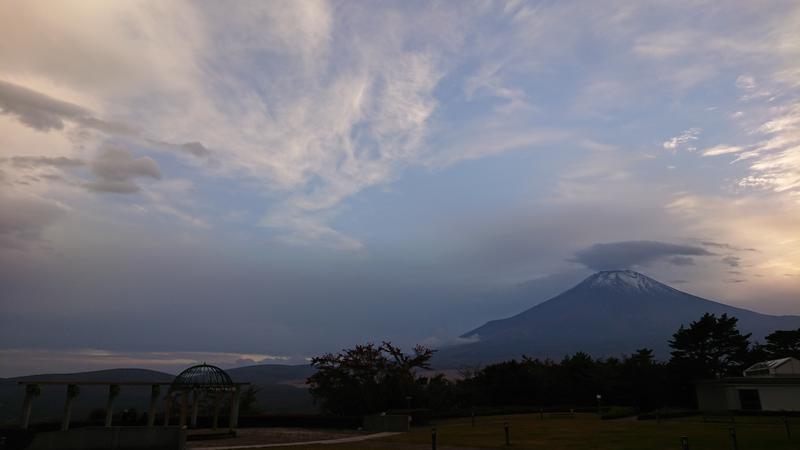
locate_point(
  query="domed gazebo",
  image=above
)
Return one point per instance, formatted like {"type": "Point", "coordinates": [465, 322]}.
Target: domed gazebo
{"type": "Point", "coordinates": [201, 380]}
{"type": "Point", "coordinates": [202, 376]}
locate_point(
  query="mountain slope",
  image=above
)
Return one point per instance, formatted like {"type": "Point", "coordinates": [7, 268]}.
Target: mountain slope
{"type": "Point", "coordinates": [607, 314]}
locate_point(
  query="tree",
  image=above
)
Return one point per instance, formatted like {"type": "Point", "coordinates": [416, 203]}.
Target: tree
{"type": "Point", "coordinates": [248, 402]}
{"type": "Point", "coordinates": [710, 347]}
{"type": "Point", "coordinates": [578, 379]}
{"type": "Point", "coordinates": [367, 378]}
{"type": "Point", "coordinates": [783, 343]}
{"type": "Point", "coordinates": [643, 379]}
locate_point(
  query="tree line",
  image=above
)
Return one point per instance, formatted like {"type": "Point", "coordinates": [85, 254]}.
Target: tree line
{"type": "Point", "coordinates": [374, 378]}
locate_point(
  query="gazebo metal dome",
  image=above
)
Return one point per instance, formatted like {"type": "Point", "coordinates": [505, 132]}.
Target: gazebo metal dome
{"type": "Point", "coordinates": [202, 376]}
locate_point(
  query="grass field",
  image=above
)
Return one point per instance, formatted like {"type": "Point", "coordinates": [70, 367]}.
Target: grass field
{"type": "Point", "coordinates": [586, 431]}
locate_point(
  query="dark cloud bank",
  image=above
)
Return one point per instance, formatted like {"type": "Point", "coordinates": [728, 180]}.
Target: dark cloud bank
{"type": "Point", "coordinates": [627, 254]}
{"type": "Point", "coordinates": [115, 170]}
{"type": "Point", "coordinates": [44, 113]}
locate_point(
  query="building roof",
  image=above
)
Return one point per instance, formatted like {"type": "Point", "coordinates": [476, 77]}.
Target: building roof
{"type": "Point", "coordinates": [770, 367]}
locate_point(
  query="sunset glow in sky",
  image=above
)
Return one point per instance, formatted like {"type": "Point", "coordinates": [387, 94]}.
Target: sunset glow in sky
{"type": "Point", "coordinates": [263, 181]}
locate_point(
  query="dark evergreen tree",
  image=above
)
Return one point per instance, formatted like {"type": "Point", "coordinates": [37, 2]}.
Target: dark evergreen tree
{"type": "Point", "coordinates": [644, 379]}
{"type": "Point", "coordinates": [711, 347]}
{"type": "Point", "coordinates": [783, 343]}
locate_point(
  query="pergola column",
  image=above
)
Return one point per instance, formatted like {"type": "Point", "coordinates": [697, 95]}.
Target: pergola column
{"type": "Point", "coordinates": [184, 407]}
{"type": "Point", "coordinates": [72, 393]}
{"type": "Point", "coordinates": [217, 402]}
{"type": "Point", "coordinates": [234, 418]}
{"type": "Point", "coordinates": [167, 408]}
{"type": "Point", "coordinates": [113, 392]}
{"type": "Point", "coordinates": [155, 390]}
{"type": "Point", "coordinates": [196, 395]}
{"type": "Point", "coordinates": [31, 391]}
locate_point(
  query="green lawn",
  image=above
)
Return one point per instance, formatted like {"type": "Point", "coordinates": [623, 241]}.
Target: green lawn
{"type": "Point", "coordinates": [586, 431]}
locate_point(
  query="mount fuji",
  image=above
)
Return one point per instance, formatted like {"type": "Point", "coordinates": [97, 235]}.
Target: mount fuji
{"type": "Point", "coordinates": [608, 314]}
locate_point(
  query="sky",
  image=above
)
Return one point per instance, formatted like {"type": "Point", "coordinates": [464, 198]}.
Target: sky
{"type": "Point", "coordinates": [260, 182]}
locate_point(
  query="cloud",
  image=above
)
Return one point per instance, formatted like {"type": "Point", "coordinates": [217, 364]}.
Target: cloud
{"type": "Point", "coordinates": [320, 143]}
{"type": "Point", "coordinates": [302, 228]}
{"type": "Point", "coordinates": [746, 82]}
{"type": "Point", "coordinates": [668, 44]}
{"type": "Point", "coordinates": [437, 342]}
{"type": "Point", "coordinates": [681, 261]}
{"type": "Point", "coordinates": [335, 112]}
{"type": "Point", "coordinates": [46, 161]}
{"type": "Point", "coordinates": [24, 361]}
{"type": "Point", "coordinates": [684, 138]}
{"type": "Point", "coordinates": [44, 113]}
{"type": "Point", "coordinates": [196, 149]}
{"type": "Point", "coordinates": [732, 261]}
{"type": "Point", "coordinates": [311, 107]}
{"type": "Point", "coordinates": [722, 150]}
{"type": "Point", "coordinates": [725, 245]}
{"type": "Point", "coordinates": [338, 112]}
{"type": "Point", "coordinates": [774, 158]}
{"type": "Point", "coordinates": [162, 198]}
{"type": "Point", "coordinates": [116, 169]}
{"type": "Point", "coordinates": [24, 218]}
{"type": "Point", "coordinates": [37, 110]}
{"type": "Point", "coordinates": [627, 254]}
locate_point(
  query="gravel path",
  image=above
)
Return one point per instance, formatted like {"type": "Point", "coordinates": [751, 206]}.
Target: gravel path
{"type": "Point", "coordinates": [277, 437]}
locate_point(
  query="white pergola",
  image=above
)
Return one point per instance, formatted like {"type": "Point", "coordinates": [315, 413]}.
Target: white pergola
{"type": "Point", "coordinates": [179, 393]}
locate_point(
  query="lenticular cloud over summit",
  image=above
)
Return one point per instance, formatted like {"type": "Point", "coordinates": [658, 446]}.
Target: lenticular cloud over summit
{"type": "Point", "coordinates": [634, 253]}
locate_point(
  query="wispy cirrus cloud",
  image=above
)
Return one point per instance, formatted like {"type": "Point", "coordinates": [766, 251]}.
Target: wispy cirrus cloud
{"type": "Point", "coordinates": [373, 139]}
{"type": "Point", "coordinates": [722, 150]}
{"type": "Point", "coordinates": [773, 158]}
{"type": "Point", "coordinates": [331, 120]}
{"type": "Point", "coordinates": [683, 139]}
{"type": "Point", "coordinates": [337, 112]}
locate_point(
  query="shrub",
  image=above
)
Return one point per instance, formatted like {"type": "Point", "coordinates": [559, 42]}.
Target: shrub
{"type": "Point", "coordinates": [618, 412]}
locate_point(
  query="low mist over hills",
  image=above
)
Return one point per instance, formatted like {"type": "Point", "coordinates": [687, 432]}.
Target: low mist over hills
{"type": "Point", "coordinates": [607, 314]}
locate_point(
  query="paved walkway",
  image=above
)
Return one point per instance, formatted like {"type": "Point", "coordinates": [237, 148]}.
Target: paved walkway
{"type": "Point", "coordinates": [293, 444]}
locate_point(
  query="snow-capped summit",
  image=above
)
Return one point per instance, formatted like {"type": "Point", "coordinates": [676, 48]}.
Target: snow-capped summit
{"type": "Point", "coordinates": [623, 279]}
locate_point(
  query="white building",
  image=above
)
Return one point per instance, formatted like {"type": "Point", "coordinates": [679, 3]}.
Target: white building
{"type": "Point", "coordinates": [766, 386]}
